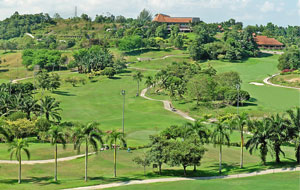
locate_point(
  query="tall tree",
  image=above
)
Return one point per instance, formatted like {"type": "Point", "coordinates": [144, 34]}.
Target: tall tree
{"type": "Point", "coordinates": [144, 16]}
{"type": "Point", "coordinates": [89, 134]}
{"type": "Point", "coordinates": [16, 147]}
{"type": "Point", "coordinates": [240, 122]}
{"type": "Point", "coordinates": [50, 108]}
{"type": "Point", "coordinates": [56, 136]}
{"type": "Point", "coordinates": [220, 136]}
{"type": "Point", "coordinates": [138, 76]}
{"type": "Point", "coordinates": [278, 134]}
{"type": "Point", "coordinates": [294, 117]}
{"type": "Point", "coordinates": [113, 138]}
{"type": "Point", "coordinates": [260, 139]}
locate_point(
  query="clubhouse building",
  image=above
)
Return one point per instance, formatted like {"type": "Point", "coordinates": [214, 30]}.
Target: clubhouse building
{"type": "Point", "coordinates": [182, 22]}
{"type": "Point", "coordinates": [268, 43]}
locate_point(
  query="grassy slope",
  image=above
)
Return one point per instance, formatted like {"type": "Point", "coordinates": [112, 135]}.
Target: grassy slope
{"type": "Point", "coordinates": [265, 182]}
{"type": "Point", "coordinates": [265, 99]}
{"type": "Point", "coordinates": [292, 80]}
{"type": "Point", "coordinates": [71, 173]}
{"type": "Point", "coordinates": [101, 101]}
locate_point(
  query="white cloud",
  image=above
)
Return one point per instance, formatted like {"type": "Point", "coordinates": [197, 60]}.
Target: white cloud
{"type": "Point", "coordinates": [299, 7]}
{"type": "Point", "coordinates": [270, 6]}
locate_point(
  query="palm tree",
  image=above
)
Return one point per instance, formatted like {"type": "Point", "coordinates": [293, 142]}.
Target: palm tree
{"type": "Point", "coordinates": [50, 108]}
{"type": "Point", "coordinates": [294, 119]}
{"type": "Point", "coordinates": [113, 138]}
{"type": "Point", "coordinates": [30, 105]}
{"type": "Point", "coordinates": [240, 122]}
{"type": "Point", "coordinates": [16, 147]}
{"type": "Point", "coordinates": [201, 131]}
{"type": "Point", "coordinates": [278, 134]}
{"type": "Point", "coordinates": [138, 76]}
{"type": "Point", "coordinates": [4, 133]}
{"type": "Point", "coordinates": [220, 136]}
{"type": "Point", "coordinates": [90, 135]}
{"type": "Point", "coordinates": [260, 138]}
{"type": "Point", "coordinates": [56, 136]}
{"type": "Point", "coordinates": [149, 81]}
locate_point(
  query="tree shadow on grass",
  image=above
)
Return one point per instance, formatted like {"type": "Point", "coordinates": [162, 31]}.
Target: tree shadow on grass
{"type": "Point", "coordinates": [36, 180]}
{"type": "Point", "coordinates": [4, 70]}
{"type": "Point", "coordinates": [141, 51]}
{"type": "Point", "coordinates": [63, 93]}
{"type": "Point", "coordinates": [261, 54]}
{"type": "Point", "coordinates": [115, 78]}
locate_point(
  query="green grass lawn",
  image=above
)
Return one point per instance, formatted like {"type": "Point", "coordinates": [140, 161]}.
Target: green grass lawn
{"type": "Point", "coordinates": [102, 101]}
{"type": "Point", "coordinates": [288, 180]}
{"type": "Point", "coordinates": [71, 173]}
{"type": "Point", "coordinates": [265, 99]}
{"type": "Point", "coordinates": [40, 151]}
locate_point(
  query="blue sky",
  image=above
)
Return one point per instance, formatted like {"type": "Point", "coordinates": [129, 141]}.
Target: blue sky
{"type": "Point", "coordinates": [280, 12]}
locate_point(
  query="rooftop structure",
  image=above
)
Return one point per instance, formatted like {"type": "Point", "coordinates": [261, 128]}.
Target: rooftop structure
{"type": "Point", "coordinates": [268, 43]}
{"type": "Point", "coordinates": [183, 22]}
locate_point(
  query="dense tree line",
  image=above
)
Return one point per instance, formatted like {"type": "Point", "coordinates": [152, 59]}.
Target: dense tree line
{"type": "Point", "coordinates": [290, 60]}
{"type": "Point", "coordinates": [17, 25]}
{"type": "Point", "coordinates": [96, 59]}
{"type": "Point", "coordinates": [186, 80]}
{"type": "Point", "coordinates": [45, 59]}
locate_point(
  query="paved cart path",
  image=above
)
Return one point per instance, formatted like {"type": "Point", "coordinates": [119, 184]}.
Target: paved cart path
{"type": "Point", "coordinates": [147, 181]}
{"type": "Point", "coordinates": [267, 81]}
{"type": "Point", "coordinates": [32, 162]}
{"type": "Point", "coordinates": [167, 105]}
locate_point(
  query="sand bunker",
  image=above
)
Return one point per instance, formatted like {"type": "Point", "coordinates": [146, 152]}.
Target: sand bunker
{"type": "Point", "coordinates": [257, 84]}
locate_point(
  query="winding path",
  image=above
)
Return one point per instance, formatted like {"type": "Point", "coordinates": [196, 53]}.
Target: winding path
{"type": "Point", "coordinates": [173, 179]}
{"type": "Point", "coordinates": [167, 105]}
{"type": "Point", "coordinates": [267, 81]}
{"type": "Point", "coordinates": [32, 162]}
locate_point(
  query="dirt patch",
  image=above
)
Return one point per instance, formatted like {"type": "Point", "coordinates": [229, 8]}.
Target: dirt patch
{"type": "Point", "coordinates": [294, 80]}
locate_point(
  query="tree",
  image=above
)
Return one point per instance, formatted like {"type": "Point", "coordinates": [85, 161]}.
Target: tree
{"type": "Point", "coordinates": [138, 77]}
{"type": "Point", "coordinates": [185, 153]}
{"type": "Point", "coordinates": [162, 31]}
{"type": "Point", "coordinates": [16, 147]}
{"type": "Point", "coordinates": [240, 122]}
{"type": "Point", "coordinates": [143, 161]}
{"type": "Point", "coordinates": [178, 42]}
{"type": "Point", "coordinates": [89, 134]}
{"type": "Point", "coordinates": [202, 87]}
{"type": "Point", "coordinates": [220, 136]}
{"type": "Point", "coordinates": [144, 16]}
{"type": "Point", "coordinates": [56, 136]}
{"type": "Point", "coordinates": [290, 59]}
{"type": "Point", "coordinates": [54, 81]}
{"type": "Point", "coordinates": [129, 43]}
{"type": "Point", "coordinates": [278, 134]}
{"type": "Point", "coordinates": [260, 138]}
{"type": "Point", "coordinates": [158, 152]}
{"type": "Point", "coordinates": [29, 105]}
{"type": "Point", "coordinates": [113, 138]}
{"type": "Point", "coordinates": [149, 81]}
{"type": "Point", "coordinates": [109, 71]}
{"type": "Point", "coordinates": [50, 108]}
{"type": "Point", "coordinates": [294, 120]}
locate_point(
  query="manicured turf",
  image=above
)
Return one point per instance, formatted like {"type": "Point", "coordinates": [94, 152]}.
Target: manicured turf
{"type": "Point", "coordinates": [71, 173]}
{"type": "Point", "coordinates": [102, 101]}
{"type": "Point", "coordinates": [40, 151]}
{"type": "Point", "coordinates": [265, 99]}
{"type": "Point", "coordinates": [292, 80]}
{"type": "Point", "coordinates": [266, 182]}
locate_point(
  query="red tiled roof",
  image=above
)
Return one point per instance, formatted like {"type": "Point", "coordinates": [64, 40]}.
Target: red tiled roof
{"type": "Point", "coordinates": [168, 19]}
{"type": "Point", "coordinates": [264, 40]}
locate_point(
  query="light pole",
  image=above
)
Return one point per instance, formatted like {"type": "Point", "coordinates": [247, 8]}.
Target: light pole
{"type": "Point", "coordinates": [241, 127]}
{"type": "Point", "coordinates": [238, 97]}
{"type": "Point", "coordinates": [123, 93]}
